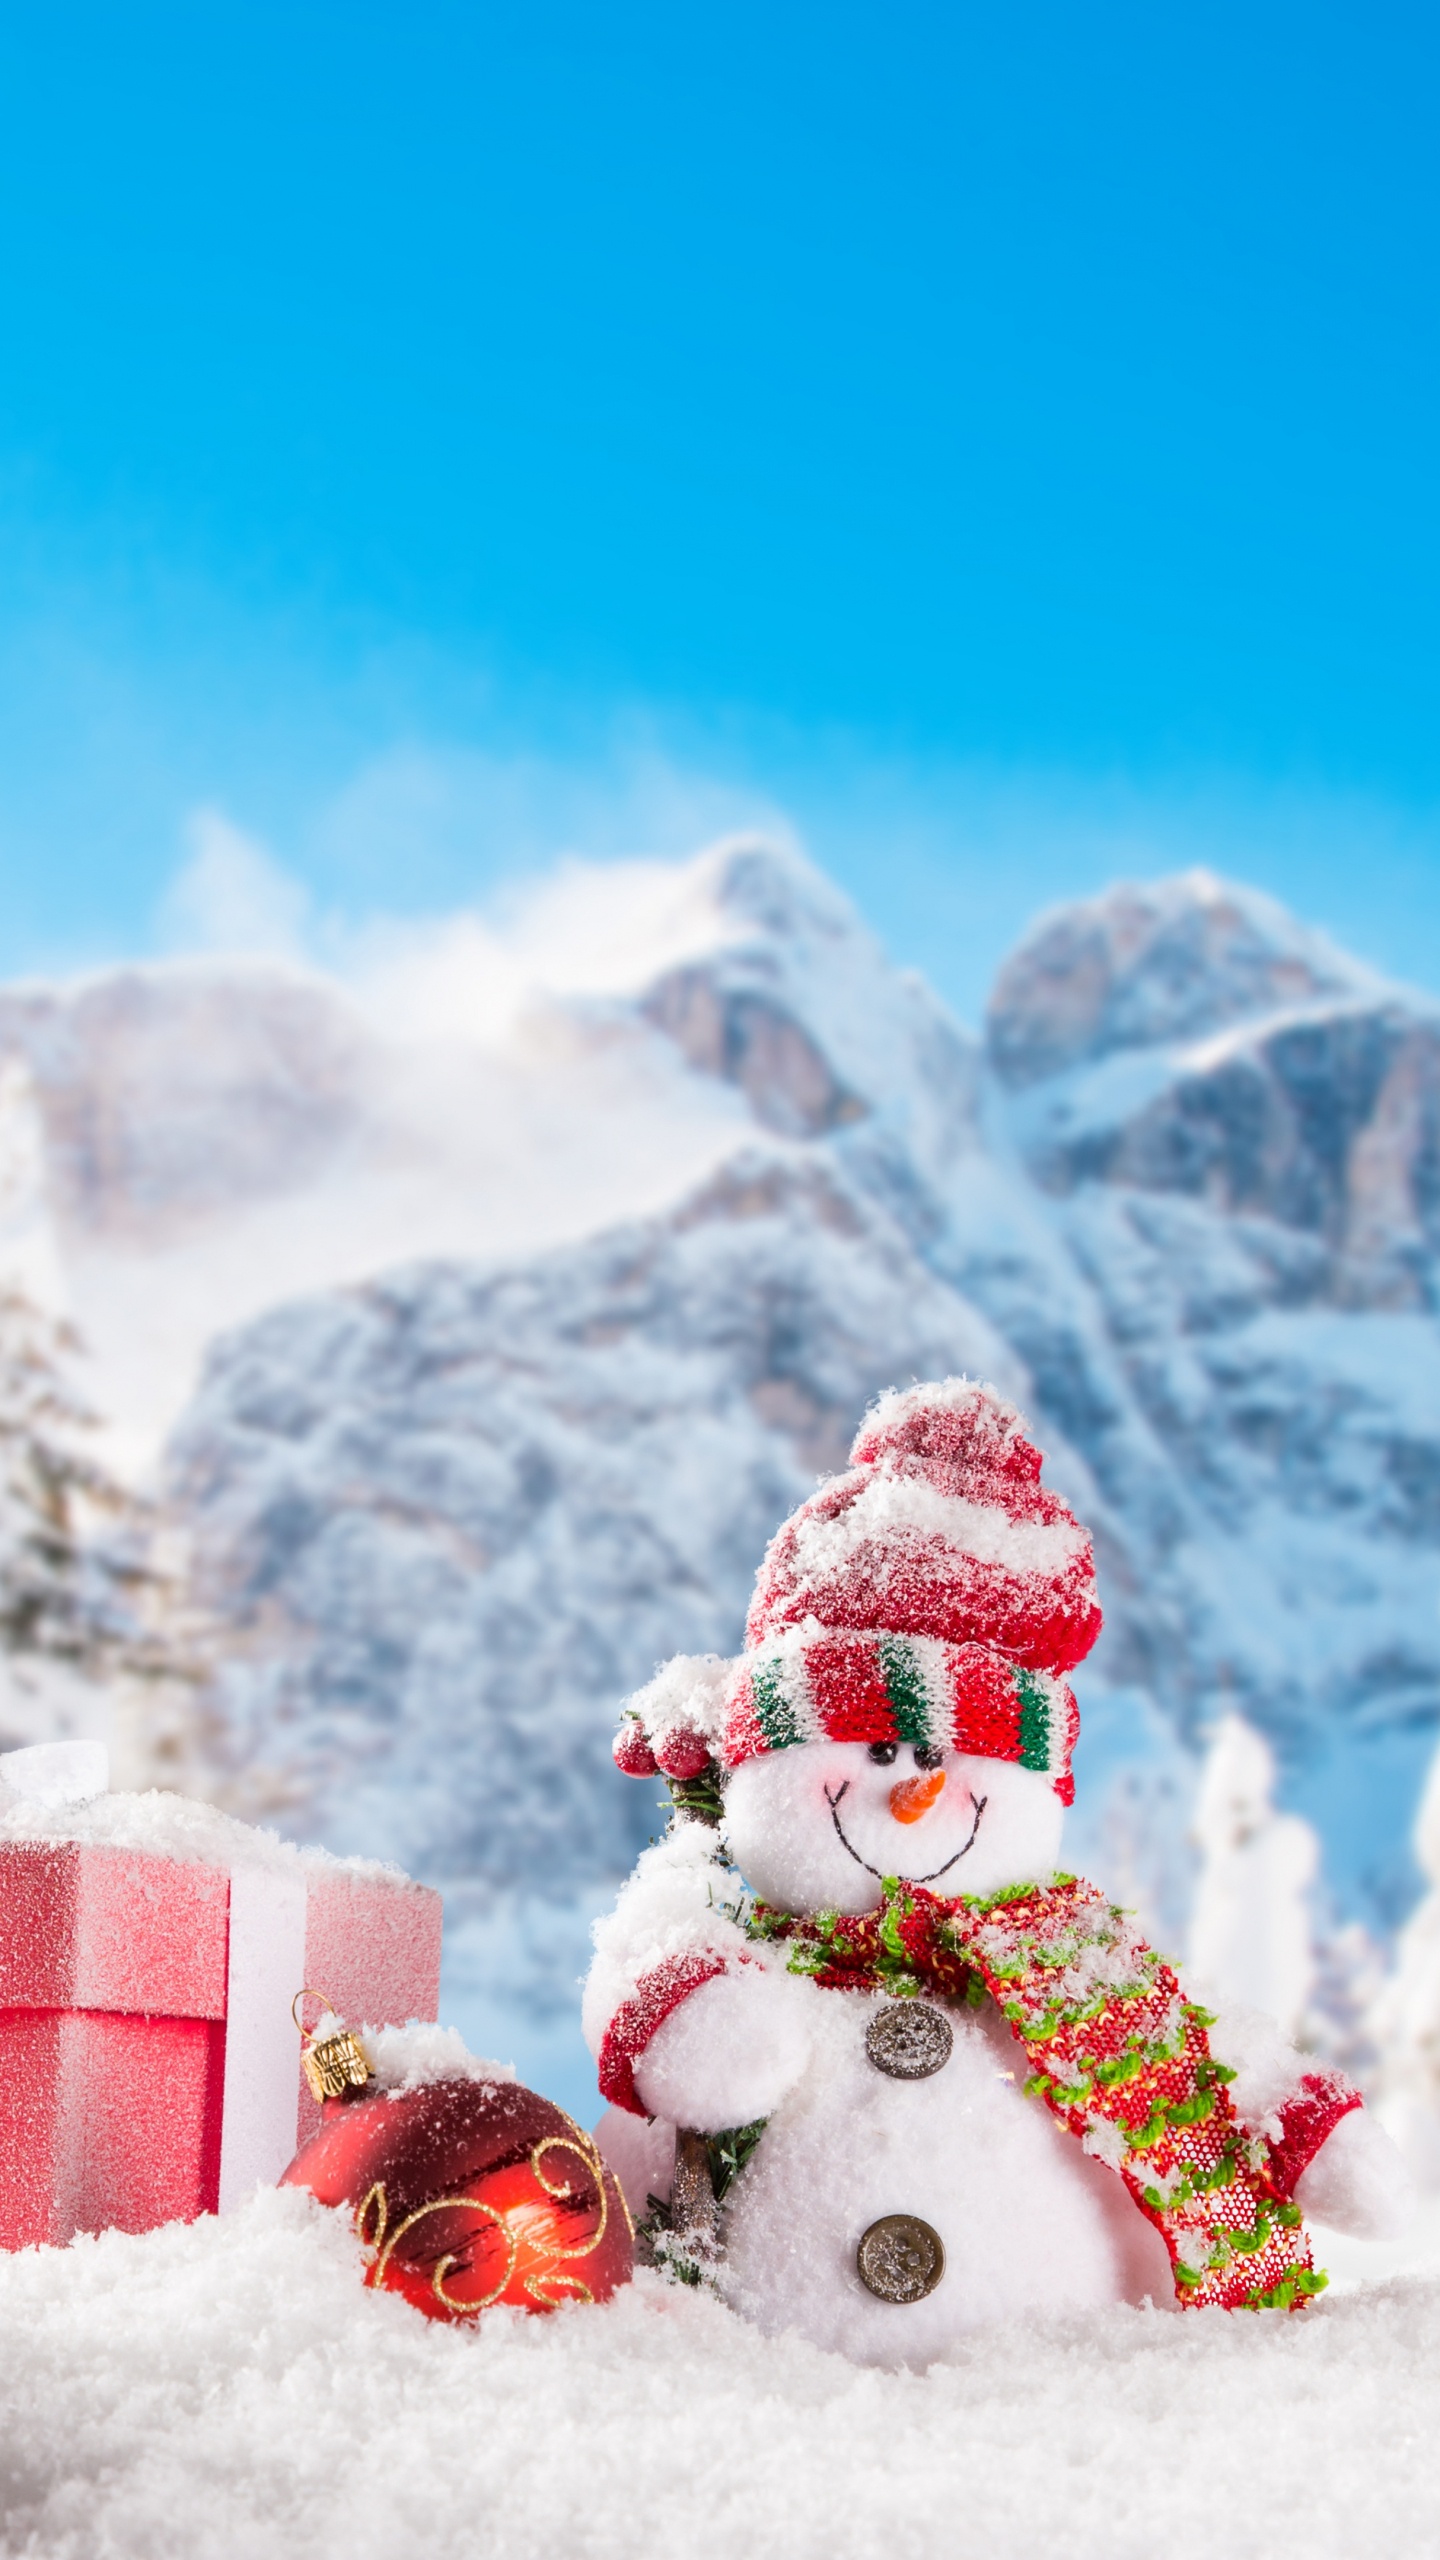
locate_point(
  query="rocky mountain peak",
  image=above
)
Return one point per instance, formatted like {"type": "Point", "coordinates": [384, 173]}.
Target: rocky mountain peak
{"type": "Point", "coordinates": [795, 1002]}
{"type": "Point", "coordinates": [1192, 1038]}
{"type": "Point", "coordinates": [1165, 961]}
{"type": "Point", "coordinates": [171, 1090]}
{"type": "Point", "coordinates": [740, 1011]}
{"type": "Point", "coordinates": [757, 886]}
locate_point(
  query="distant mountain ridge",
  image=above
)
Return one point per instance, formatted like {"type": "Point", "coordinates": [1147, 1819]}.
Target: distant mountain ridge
{"type": "Point", "coordinates": [1182, 1200]}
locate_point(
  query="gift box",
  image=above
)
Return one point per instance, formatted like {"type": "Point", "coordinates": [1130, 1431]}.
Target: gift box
{"type": "Point", "coordinates": [149, 2062]}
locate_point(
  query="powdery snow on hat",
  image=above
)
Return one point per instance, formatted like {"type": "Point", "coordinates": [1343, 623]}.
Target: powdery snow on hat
{"type": "Point", "coordinates": [933, 1594]}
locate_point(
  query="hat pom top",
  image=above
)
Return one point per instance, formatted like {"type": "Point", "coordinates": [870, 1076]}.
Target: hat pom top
{"type": "Point", "coordinates": [941, 1528]}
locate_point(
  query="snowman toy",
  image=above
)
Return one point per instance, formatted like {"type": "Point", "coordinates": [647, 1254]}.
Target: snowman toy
{"type": "Point", "coordinates": [930, 2079]}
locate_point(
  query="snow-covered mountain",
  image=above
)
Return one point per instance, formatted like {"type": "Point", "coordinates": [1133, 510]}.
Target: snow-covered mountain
{"type": "Point", "coordinates": [550, 1269]}
{"type": "Point", "coordinates": [181, 1146]}
{"type": "Point", "coordinates": [476, 1508]}
{"type": "Point", "coordinates": [1231, 1132]}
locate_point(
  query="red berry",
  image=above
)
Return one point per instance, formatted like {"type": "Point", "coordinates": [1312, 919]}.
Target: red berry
{"type": "Point", "coordinates": [632, 1752]}
{"type": "Point", "coordinates": [683, 1755]}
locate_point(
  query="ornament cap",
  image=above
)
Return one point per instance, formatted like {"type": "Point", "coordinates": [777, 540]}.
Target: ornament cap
{"type": "Point", "coordinates": [336, 2066]}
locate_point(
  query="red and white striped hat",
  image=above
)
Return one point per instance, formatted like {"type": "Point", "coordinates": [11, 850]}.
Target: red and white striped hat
{"type": "Point", "coordinates": [934, 1594]}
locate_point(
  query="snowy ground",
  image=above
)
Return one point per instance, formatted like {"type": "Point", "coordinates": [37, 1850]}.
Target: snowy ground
{"type": "Point", "coordinates": [228, 2389]}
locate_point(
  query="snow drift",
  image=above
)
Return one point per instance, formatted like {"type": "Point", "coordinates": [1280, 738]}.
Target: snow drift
{"type": "Point", "coordinates": [229, 2390]}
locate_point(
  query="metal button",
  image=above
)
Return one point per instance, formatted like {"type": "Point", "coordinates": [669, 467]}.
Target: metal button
{"type": "Point", "coordinates": [900, 2258]}
{"type": "Point", "coordinates": [907, 2040]}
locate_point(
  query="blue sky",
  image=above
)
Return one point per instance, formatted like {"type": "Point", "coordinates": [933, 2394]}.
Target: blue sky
{"type": "Point", "coordinates": [1001, 442]}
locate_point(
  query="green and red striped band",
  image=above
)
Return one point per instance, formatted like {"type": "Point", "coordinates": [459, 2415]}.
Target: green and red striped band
{"type": "Point", "coordinates": [901, 1688]}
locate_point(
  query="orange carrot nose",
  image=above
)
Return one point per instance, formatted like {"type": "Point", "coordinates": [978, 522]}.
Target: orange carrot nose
{"type": "Point", "coordinates": [915, 1796]}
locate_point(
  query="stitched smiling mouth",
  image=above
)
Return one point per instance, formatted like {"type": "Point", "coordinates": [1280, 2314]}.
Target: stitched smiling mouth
{"type": "Point", "coordinates": [834, 1802]}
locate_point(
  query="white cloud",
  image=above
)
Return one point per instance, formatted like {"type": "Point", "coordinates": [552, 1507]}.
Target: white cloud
{"type": "Point", "coordinates": [231, 896]}
{"type": "Point", "coordinates": [582, 928]}
{"type": "Point", "coordinates": [453, 822]}
{"type": "Point", "coordinates": [552, 925]}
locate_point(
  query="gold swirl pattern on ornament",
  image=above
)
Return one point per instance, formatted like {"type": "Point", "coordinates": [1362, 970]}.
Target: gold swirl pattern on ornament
{"type": "Point", "coordinates": [385, 2242]}
{"type": "Point", "coordinates": [541, 2286]}
{"type": "Point", "coordinates": [372, 2218]}
{"type": "Point", "coordinates": [585, 2145]}
{"type": "Point", "coordinates": [375, 2198]}
{"type": "Point", "coordinates": [589, 2159]}
{"type": "Point", "coordinates": [574, 2290]}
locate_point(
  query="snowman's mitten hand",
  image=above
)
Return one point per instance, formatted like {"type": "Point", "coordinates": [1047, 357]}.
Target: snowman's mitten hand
{"type": "Point", "coordinates": [1357, 2182]}
{"type": "Point", "coordinates": [728, 2054]}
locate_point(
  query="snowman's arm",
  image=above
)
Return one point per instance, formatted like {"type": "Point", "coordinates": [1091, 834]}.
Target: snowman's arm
{"type": "Point", "coordinates": [1357, 2181]}
{"type": "Point", "coordinates": [1320, 2146]}
{"type": "Point", "coordinates": [629, 2032]}
{"type": "Point", "coordinates": [670, 1936]}
{"type": "Point", "coordinates": [685, 2018]}
{"type": "Point", "coordinates": [709, 2053]}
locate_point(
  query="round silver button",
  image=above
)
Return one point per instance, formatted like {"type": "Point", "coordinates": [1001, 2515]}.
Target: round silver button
{"type": "Point", "coordinates": [900, 2258]}
{"type": "Point", "coordinates": [907, 2040]}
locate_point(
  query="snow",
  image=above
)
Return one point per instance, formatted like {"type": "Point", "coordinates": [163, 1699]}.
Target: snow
{"type": "Point", "coordinates": [674, 1905]}
{"type": "Point", "coordinates": [1374, 1360]}
{"type": "Point", "coordinates": [162, 1825]}
{"type": "Point", "coordinates": [687, 1695]}
{"type": "Point", "coordinates": [414, 2056]}
{"type": "Point", "coordinates": [466, 1507]}
{"type": "Point", "coordinates": [49, 1774]}
{"type": "Point", "coordinates": [890, 1504]}
{"type": "Point", "coordinates": [228, 2391]}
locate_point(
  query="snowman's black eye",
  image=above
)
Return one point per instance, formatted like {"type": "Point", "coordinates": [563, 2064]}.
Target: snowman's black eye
{"type": "Point", "coordinates": [927, 1759]}
{"type": "Point", "coordinates": [882, 1753]}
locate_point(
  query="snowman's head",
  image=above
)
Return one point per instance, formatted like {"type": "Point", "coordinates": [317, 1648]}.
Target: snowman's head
{"type": "Point", "coordinates": [900, 1709]}
{"type": "Point", "coordinates": [816, 1827]}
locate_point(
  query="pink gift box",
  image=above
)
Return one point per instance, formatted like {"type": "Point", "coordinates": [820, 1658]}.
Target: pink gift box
{"type": "Point", "coordinates": [149, 2066]}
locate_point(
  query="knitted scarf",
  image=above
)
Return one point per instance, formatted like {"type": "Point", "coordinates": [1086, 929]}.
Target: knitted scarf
{"type": "Point", "coordinates": [1117, 2053]}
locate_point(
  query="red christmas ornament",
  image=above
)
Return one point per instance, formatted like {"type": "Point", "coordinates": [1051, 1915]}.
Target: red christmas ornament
{"type": "Point", "coordinates": [471, 2192]}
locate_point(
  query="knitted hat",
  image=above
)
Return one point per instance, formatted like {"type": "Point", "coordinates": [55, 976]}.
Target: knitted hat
{"type": "Point", "coordinates": [933, 1594]}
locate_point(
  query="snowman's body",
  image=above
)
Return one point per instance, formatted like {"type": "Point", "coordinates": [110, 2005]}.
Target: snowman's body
{"type": "Point", "coordinates": [1028, 2222]}
{"type": "Point", "coordinates": [1028, 2219]}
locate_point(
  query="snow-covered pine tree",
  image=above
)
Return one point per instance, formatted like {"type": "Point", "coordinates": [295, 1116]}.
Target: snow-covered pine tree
{"type": "Point", "coordinates": [1406, 2015]}
{"type": "Point", "coordinates": [90, 1639]}
{"type": "Point", "coordinates": [1250, 1926]}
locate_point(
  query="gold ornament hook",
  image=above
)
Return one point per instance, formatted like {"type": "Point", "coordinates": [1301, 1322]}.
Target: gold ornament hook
{"type": "Point", "coordinates": [327, 2007]}
{"type": "Point", "coordinates": [338, 2066]}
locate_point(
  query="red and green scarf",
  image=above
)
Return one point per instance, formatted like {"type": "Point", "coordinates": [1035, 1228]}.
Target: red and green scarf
{"type": "Point", "coordinates": [1118, 2054]}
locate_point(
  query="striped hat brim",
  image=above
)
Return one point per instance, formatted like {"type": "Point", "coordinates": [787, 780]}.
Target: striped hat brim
{"type": "Point", "coordinates": [920, 1690]}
